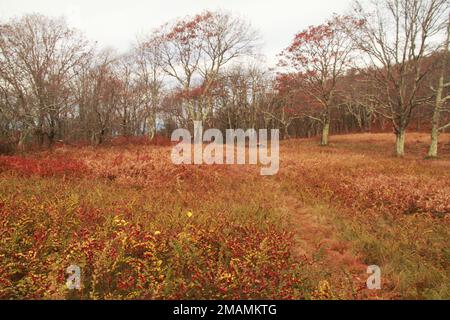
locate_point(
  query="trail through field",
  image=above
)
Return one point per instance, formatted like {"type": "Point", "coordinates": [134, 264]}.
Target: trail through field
{"type": "Point", "coordinates": [310, 231]}
{"type": "Point", "coordinates": [338, 272]}
{"type": "Point", "coordinates": [317, 243]}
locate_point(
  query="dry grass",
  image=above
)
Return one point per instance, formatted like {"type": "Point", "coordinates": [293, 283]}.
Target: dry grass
{"type": "Point", "coordinates": [123, 213]}
{"type": "Point", "coordinates": [392, 212]}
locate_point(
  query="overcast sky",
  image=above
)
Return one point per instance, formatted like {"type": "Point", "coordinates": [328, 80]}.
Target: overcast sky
{"type": "Point", "coordinates": [116, 23]}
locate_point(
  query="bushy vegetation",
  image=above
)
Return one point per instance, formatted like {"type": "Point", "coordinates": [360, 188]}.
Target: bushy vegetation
{"type": "Point", "coordinates": [139, 227]}
{"type": "Point", "coordinates": [394, 213]}
{"type": "Point", "coordinates": [142, 228]}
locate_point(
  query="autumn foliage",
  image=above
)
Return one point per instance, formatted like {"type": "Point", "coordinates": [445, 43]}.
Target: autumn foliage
{"type": "Point", "coordinates": [142, 228]}
{"type": "Point", "coordinates": [42, 166]}
{"type": "Point", "coordinates": [139, 228]}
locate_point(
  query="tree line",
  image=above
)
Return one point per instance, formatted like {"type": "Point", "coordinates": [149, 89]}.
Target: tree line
{"type": "Point", "coordinates": [382, 66]}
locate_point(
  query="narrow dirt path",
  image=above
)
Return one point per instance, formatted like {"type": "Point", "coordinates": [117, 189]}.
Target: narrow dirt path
{"type": "Point", "coordinates": [318, 243]}
{"type": "Point", "coordinates": [329, 258]}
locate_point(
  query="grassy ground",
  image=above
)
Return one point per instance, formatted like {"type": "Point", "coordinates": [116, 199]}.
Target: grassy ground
{"type": "Point", "coordinates": [140, 227]}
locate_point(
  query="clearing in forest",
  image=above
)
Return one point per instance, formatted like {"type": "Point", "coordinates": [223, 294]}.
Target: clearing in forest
{"type": "Point", "coordinates": [140, 227]}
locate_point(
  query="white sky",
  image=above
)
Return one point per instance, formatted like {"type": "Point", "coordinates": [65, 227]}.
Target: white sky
{"type": "Point", "coordinates": [116, 23]}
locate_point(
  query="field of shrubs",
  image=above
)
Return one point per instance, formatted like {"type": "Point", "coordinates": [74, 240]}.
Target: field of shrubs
{"type": "Point", "coordinates": [140, 227]}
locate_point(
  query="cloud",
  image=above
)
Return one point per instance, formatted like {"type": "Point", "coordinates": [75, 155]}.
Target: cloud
{"type": "Point", "coordinates": [116, 23]}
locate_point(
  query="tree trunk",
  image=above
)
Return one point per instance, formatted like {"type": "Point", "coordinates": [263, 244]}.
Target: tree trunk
{"type": "Point", "coordinates": [152, 133]}
{"type": "Point", "coordinates": [433, 150]}
{"type": "Point", "coordinates": [40, 137]}
{"type": "Point", "coordinates": [436, 120]}
{"type": "Point", "coordinates": [325, 133]}
{"type": "Point", "coordinates": [152, 127]}
{"type": "Point", "coordinates": [400, 142]}
{"type": "Point", "coordinates": [22, 140]}
{"type": "Point", "coordinates": [286, 131]}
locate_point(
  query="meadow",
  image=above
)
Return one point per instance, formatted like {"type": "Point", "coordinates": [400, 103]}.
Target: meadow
{"type": "Point", "coordinates": [140, 227]}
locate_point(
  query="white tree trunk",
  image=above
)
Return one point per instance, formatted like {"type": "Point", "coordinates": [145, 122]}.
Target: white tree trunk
{"type": "Point", "coordinates": [433, 150]}
{"type": "Point", "coordinates": [325, 134]}
{"type": "Point", "coordinates": [400, 142]}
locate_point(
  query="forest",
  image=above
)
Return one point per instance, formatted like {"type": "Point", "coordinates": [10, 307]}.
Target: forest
{"type": "Point", "coordinates": [354, 73]}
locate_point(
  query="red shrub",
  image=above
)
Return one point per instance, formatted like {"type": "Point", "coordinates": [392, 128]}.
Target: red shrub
{"type": "Point", "coordinates": [402, 194]}
{"type": "Point", "coordinates": [43, 167]}
{"type": "Point", "coordinates": [141, 140]}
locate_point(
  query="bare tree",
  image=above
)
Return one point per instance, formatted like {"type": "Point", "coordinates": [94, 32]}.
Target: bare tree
{"type": "Point", "coordinates": [441, 98]}
{"type": "Point", "coordinates": [39, 58]}
{"type": "Point", "coordinates": [397, 38]}
{"type": "Point", "coordinates": [354, 90]}
{"type": "Point", "coordinates": [195, 49]}
{"type": "Point", "coordinates": [150, 78]}
{"type": "Point", "coordinates": [99, 96]}
{"type": "Point", "coordinates": [242, 97]}
{"type": "Point", "coordinates": [321, 55]}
